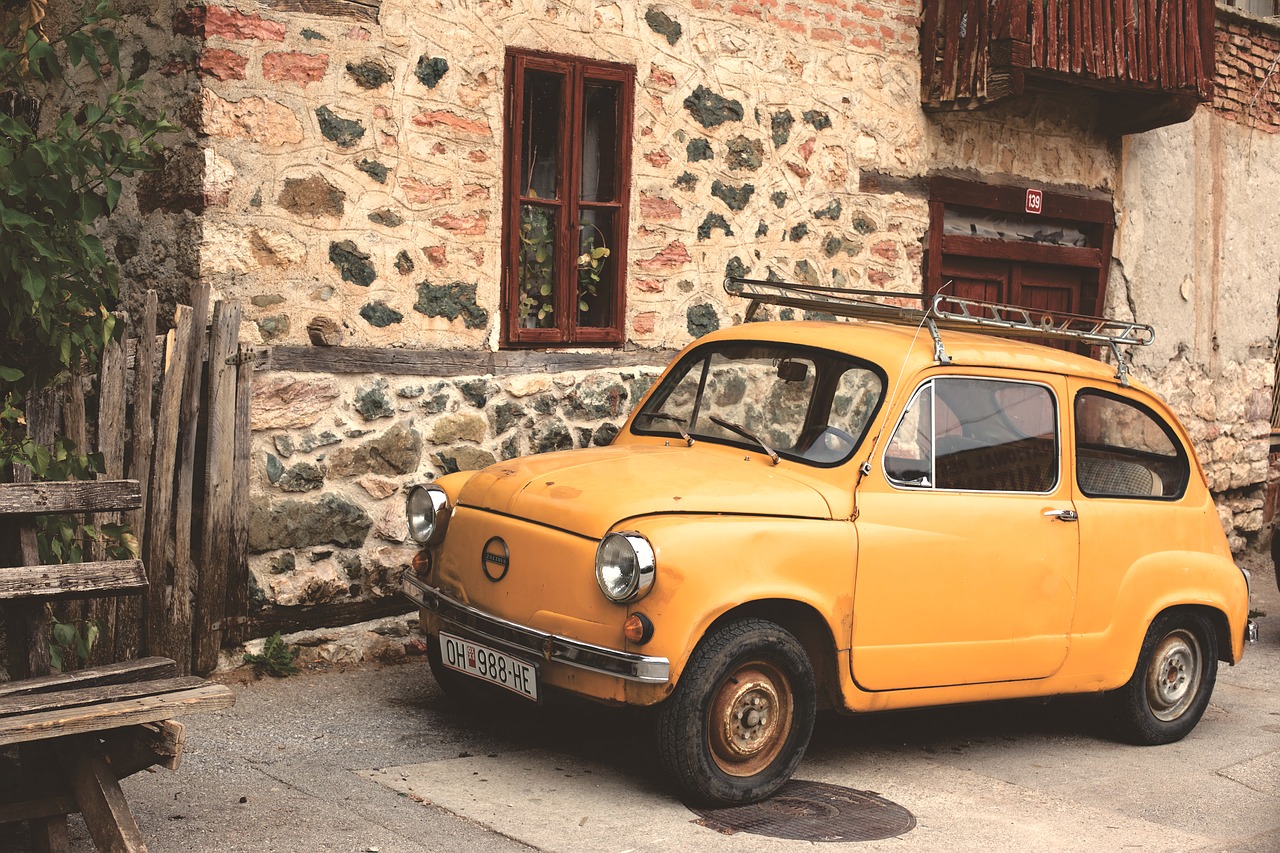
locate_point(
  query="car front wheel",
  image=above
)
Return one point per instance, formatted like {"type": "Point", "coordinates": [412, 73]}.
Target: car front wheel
{"type": "Point", "coordinates": [1172, 683]}
{"type": "Point", "coordinates": [739, 720]}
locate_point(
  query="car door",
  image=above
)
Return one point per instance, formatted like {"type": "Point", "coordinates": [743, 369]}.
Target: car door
{"type": "Point", "coordinates": [968, 545]}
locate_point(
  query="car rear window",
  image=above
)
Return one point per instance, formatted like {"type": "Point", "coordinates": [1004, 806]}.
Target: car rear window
{"type": "Point", "coordinates": [1125, 450]}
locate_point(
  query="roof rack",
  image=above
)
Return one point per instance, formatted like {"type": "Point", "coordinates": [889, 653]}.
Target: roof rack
{"type": "Point", "coordinates": [947, 312]}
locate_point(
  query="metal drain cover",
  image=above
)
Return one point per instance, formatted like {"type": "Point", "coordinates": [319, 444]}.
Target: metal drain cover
{"type": "Point", "coordinates": [814, 811]}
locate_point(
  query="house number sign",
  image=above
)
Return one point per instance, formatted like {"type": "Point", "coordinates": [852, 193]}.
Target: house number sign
{"type": "Point", "coordinates": [1035, 201]}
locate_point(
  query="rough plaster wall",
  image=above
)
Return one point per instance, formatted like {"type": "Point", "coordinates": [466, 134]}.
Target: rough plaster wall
{"type": "Point", "coordinates": [1192, 257]}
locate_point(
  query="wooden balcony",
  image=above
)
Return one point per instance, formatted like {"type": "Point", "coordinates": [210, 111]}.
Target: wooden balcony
{"type": "Point", "coordinates": [1148, 62]}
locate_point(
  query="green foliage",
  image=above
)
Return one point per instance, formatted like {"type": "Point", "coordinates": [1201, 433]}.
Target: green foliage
{"type": "Point", "coordinates": [72, 642]}
{"type": "Point", "coordinates": [277, 658]}
{"type": "Point", "coordinates": [59, 176]}
{"type": "Point", "coordinates": [537, 273]}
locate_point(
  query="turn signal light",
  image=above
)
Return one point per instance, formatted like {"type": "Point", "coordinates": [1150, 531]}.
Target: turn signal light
{"type": "Point", "coordinates": [638, 629]}
{"type": "Point", "coordinates": [422, 564]}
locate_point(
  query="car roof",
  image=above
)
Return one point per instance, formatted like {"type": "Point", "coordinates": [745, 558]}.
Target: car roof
{"type": "Point", "coordinates": [910, 348]}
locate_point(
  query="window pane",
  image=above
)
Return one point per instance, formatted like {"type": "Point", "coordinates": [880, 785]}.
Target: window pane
{"type": "Point", "coordinates": [908, 461]}
{"type": "Point", "coordinates": [775, 392]}
{"type": "Point", "coordinates": [537, 266]}
{"type": "Point", "coordinates": [1123, 450]}
{"type": "Point", "coordinates": [597, 269]}
{"type": "Point", "coordinates": [540, 143]}
{"type": "Point", "coordinates": [1004, 440]}
{"type": "Point", "coordinates": [600, 142]}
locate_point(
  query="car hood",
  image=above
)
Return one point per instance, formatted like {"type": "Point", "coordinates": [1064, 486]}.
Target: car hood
{"type": "Point", "coordinates": [588, 491]}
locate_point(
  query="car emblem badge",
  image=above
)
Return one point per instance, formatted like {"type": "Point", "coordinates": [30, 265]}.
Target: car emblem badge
{"type": "Point", "coordinates": [496, 559]}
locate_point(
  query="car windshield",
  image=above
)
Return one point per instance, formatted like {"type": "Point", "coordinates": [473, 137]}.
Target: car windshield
{"type": "Point", "coordinates": [805, 404]}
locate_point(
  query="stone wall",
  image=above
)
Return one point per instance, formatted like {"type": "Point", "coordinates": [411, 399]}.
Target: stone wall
{"type": "Point", "coordinates": [333, 457]}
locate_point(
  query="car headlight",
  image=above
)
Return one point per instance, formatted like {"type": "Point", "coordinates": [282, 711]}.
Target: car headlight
{"type": "Point", "coordinates": [427, 510]}
{"type": "Point", "coordinates": [625, 566]}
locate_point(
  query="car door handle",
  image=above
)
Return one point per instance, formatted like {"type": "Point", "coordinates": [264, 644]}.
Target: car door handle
{"type": "Point", "coordinates": [1061, 514]}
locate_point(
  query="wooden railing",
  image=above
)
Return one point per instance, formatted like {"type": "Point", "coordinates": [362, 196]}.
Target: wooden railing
{"type": "Point", "coordinates": [975, 52]}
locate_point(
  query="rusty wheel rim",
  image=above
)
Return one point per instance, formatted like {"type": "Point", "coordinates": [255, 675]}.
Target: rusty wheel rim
{"type": "Point", "coordinates": [1173, 680]}
{"type": "Point", "coordinates": [750, 718]}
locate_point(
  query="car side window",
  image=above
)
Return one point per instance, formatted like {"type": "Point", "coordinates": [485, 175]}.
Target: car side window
{"type": "Point", "coordinates": [977, 435]}
{"type": "Point", "coordinates": [1125, 450]}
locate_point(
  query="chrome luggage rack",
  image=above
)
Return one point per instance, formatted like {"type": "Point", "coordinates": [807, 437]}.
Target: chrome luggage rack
{"type": "Point", "coordinates": [947, 312]}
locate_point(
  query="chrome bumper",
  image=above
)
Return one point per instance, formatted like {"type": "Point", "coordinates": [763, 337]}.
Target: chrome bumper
{"type": "Point", "coordinates": [531, 641]}
{"type": "Point", "coordinates": [1251, 631]}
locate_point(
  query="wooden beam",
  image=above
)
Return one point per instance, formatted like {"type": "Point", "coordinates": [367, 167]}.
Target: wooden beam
{"type": "Point", "coordinates": [73, 496]}
{"type": "Point", "coordinates": [112, 673]}
{"type": "Point", "coordinates": [97, 791]}
{"type": "Point", "coordinates": [93, 718]}
{"type": "Point", "coordinates": [1010, 250]}
{"type": "Point", "coordinates": [289, 619]}
{"type": "Point", "coordinates": [881, 183]}
{"type": "Point", "coordinates": [72, 580]}
{"type": "Point", "coordinates": [135, 748]}
{"type": "Point", "coordinates": [12, 811]}
{"type": "Point", "coordinates": [360, 10]}
{"type": "Point", "coordinates": [406, 362]}
{"type": "Point", "coordinates": [219, 488]}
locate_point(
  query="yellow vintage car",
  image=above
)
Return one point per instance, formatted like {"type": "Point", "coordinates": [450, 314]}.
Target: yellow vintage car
{"type": "Point", "coordinates": [853, 514]}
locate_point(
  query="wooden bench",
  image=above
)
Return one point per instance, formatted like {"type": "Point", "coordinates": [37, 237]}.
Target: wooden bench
{"type": "Point", "coordinates": [78, 733]}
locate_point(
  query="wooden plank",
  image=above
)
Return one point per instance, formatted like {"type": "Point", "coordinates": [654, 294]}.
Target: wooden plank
{"type": "Point", "coordinates": [149, 709]}
{"type": "Point", "coordinates": [220, 491]}
{"type": "Point", "coordinates": [1037, 35]}
{"type": "Point", "coordinates": [178, 637]}
{"type": "Point", "coordinates": [135, 748]}
{"type": "Point", "coordinates": [1153, 41]}
{"type": "Point", "coordinates": [360, 10]}
{"type": "Point", "coordinates": [160, 521]}
{"type": "Point", "coordinates": [391, 360]}
{"type": "Point", "coordinates": [965, 82]}
{"type": "Point", "coordinates": [980, 247]}
{"type": "Point", "coordinates": [1059, 203]}
{"type": "Point", "coordinates": [950, 48]}
{"type": "Point", "coordinates": [1076, 48]}
{"type": "Point", "coordinates": [1087, 65]}
{"type": "Point", "coordinates": [238, 550]}
{"type": "Point", "coordinates": [112, 405]}
{"type": "Point", "coordinates": [112, 673]}
{"type": "Point", "coordinates": [34, 703]}
{"type": "Point", "coordinates": [72, 580]}
{"type": "Point", "coordinates": [97, 791]}
{"type": "Point", "coordinates": [1001, 20]}
{"type": "Point", "coordinates": [69, 496]}
{"type": "Point", "coordinates": [930, 80]}
{"type": "Point", "coordinates": [1192, 49]}
{"type": "Point", "coordinates": [129, 611]}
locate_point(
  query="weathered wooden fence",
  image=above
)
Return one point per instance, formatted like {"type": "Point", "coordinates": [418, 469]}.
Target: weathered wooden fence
{"type": "Point", "coordinates": [173, 413]}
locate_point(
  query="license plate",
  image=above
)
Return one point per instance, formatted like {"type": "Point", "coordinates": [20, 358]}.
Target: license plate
{"type": "Point", "coordinates": [490, 665]}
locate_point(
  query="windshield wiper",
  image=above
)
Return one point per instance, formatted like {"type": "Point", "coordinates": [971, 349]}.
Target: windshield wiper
{"type": "Point", "coordinates": [679, 422]}
{"type": "Point", "coordinates": [745, 433]}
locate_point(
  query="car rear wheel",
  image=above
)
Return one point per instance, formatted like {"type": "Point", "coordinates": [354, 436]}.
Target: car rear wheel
{"type": "Point", "coordinates": [740, 718]}
{"type": "Point", "coordinates": [1172, 683]}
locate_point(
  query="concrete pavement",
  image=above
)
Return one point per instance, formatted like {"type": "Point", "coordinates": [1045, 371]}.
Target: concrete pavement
{"type": "Point", "coordinates": [377, 759]}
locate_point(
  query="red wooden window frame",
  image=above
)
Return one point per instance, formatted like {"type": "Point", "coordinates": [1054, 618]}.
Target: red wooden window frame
{"type": "Point", "coordinates": [578, 73]}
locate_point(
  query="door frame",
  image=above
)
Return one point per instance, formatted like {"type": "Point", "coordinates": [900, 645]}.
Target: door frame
{"type": "Point", "coordinates": [1093, 213]}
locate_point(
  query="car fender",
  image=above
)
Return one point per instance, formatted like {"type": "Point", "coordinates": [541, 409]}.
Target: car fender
{"type": "Point", "coordinates": [1163, 581]}
{"type": "Point", "coordinates": [707, 565]}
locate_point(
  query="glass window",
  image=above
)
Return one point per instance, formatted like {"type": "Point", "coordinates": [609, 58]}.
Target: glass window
{"type": "Point", "coordinates": [976, 435]}
{"type": "Point", "coordinates": [568, 162]}
{"type": "Point", "coordinates": [807, 405]}
{"type": "Point", "coordinates": [1123, 449]}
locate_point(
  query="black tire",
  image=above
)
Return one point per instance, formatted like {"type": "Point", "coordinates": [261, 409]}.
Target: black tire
{"type": "Point", "coordinates": [1172, 683]}
{"type": "Point", "coordinates": [740, 718]}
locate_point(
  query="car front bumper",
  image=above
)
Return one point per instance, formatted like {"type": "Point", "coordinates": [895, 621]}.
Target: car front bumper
{"type": "Point", "coordinates": [530, 641]}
